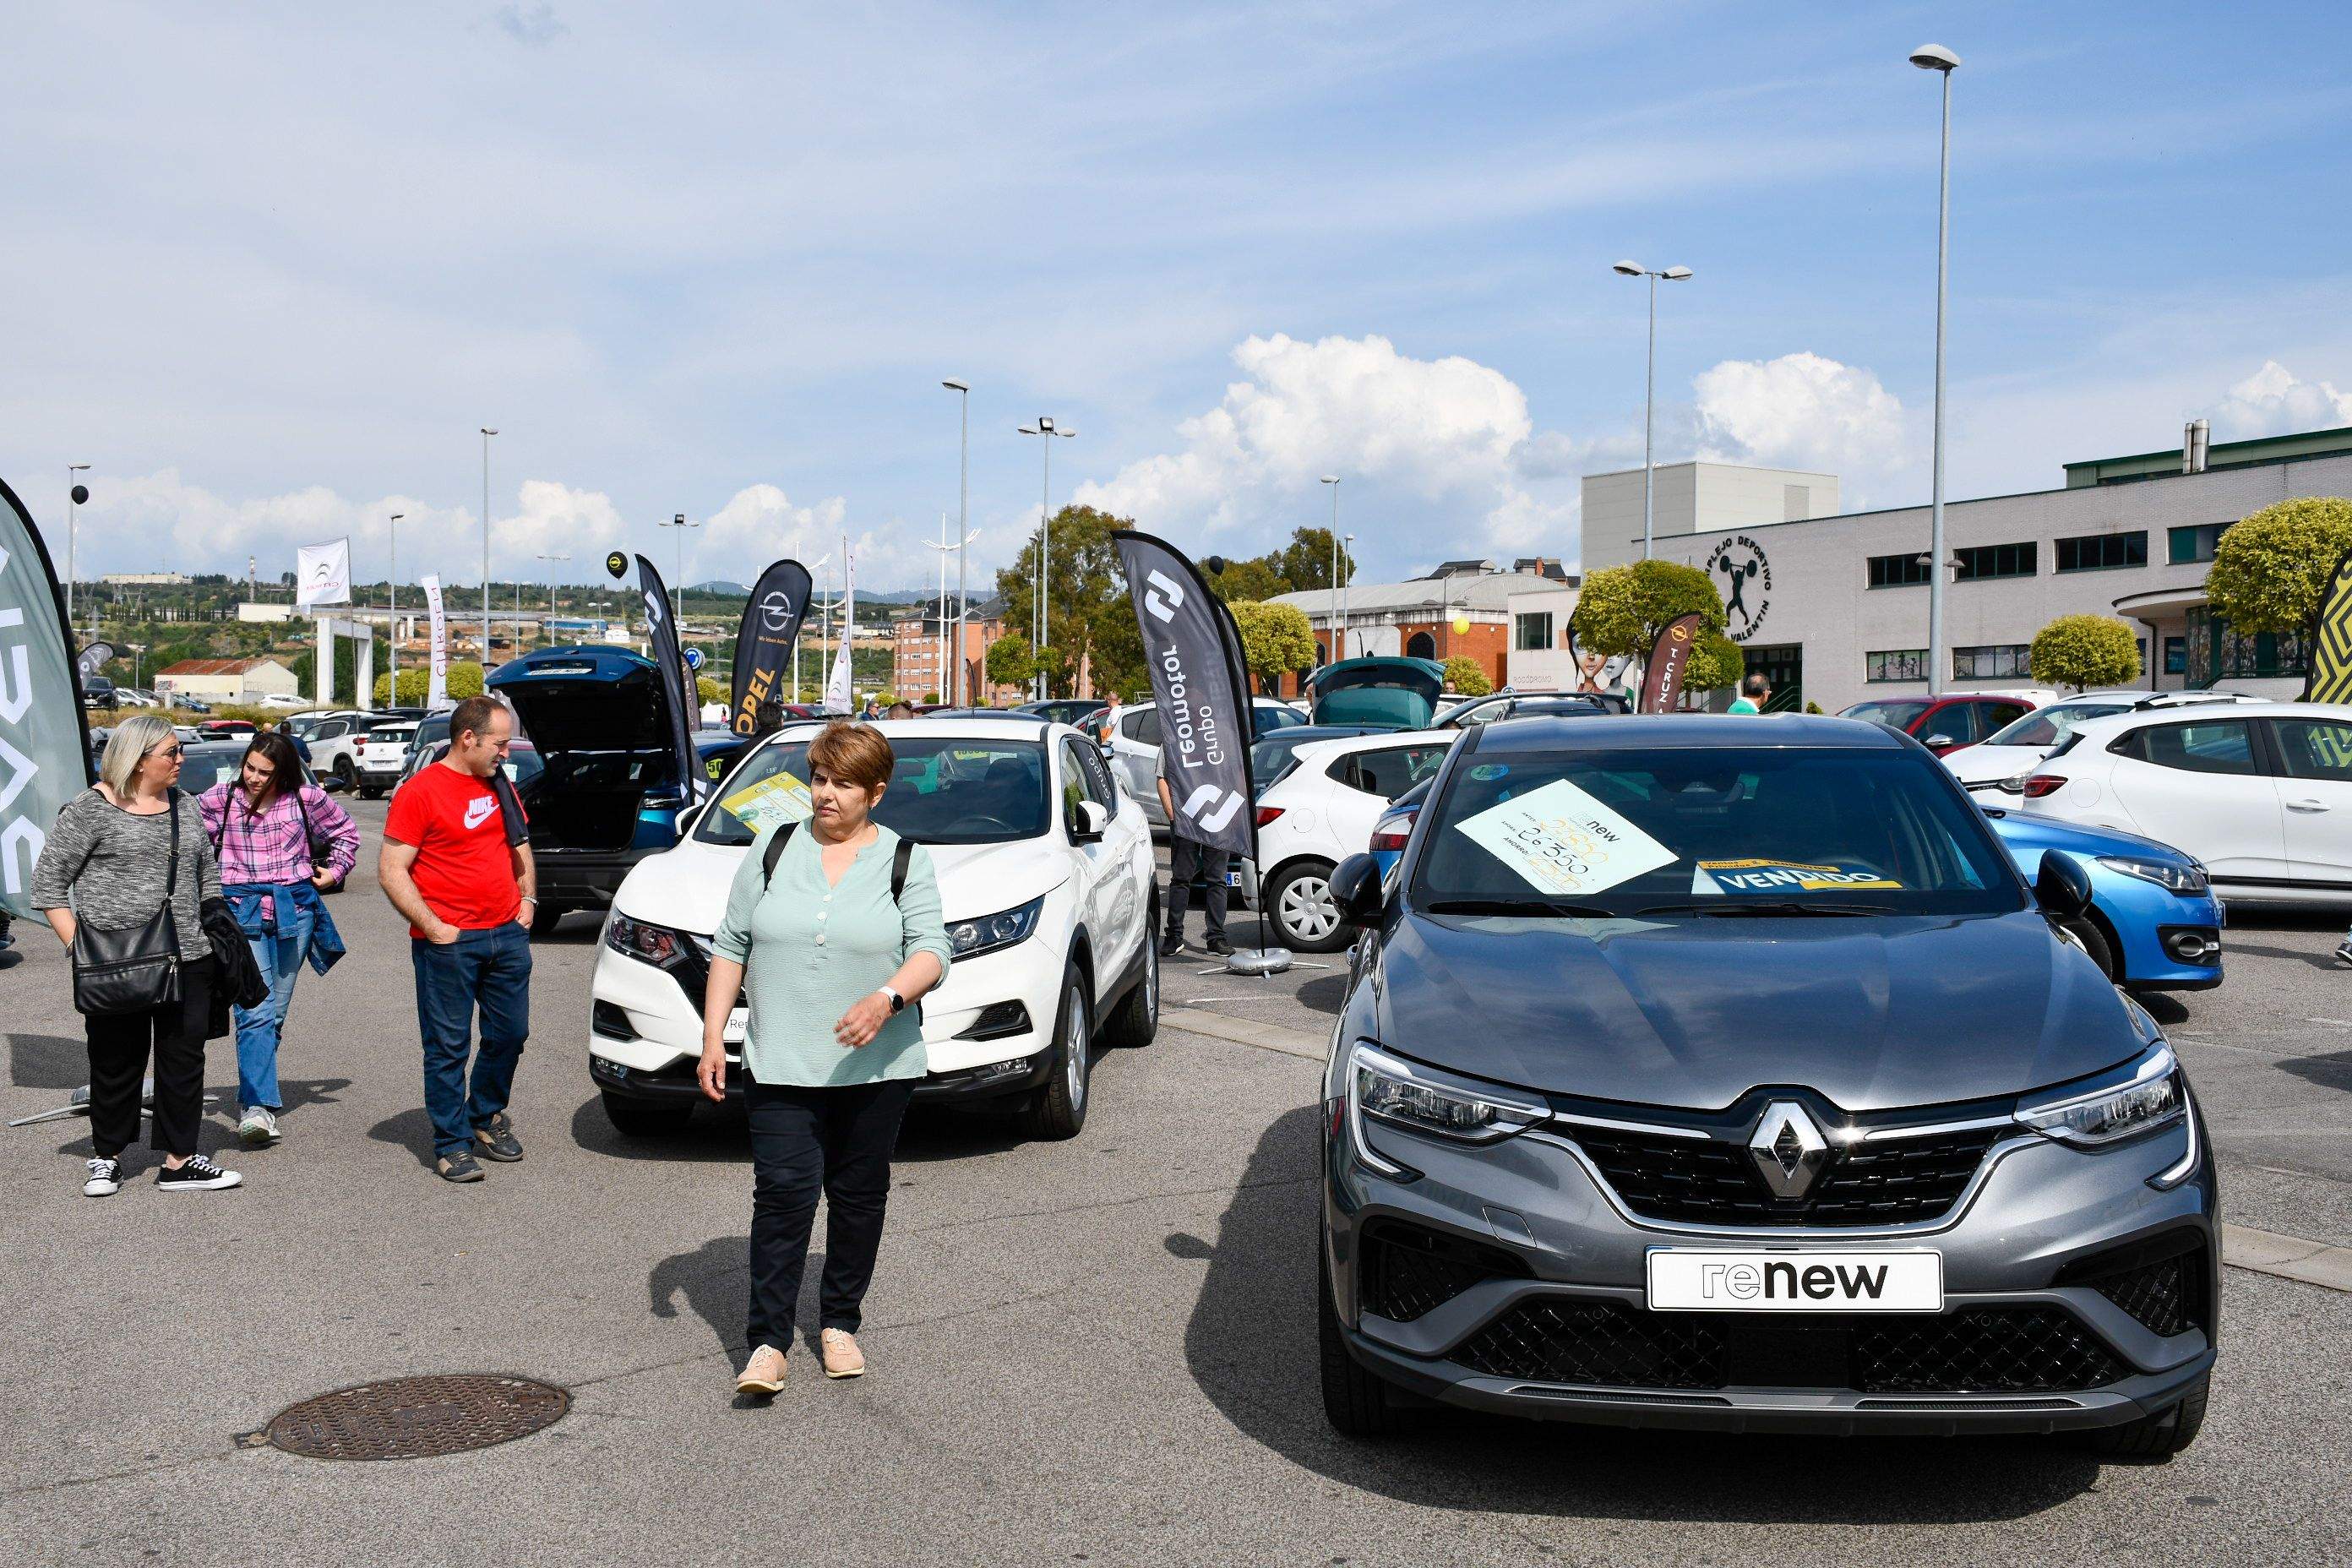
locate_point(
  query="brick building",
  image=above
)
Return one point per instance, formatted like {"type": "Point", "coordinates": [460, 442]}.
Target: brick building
{"type": "Point", "coordinates": [1460, 609]}
{"type": "Point", "coordinates": [916, 643]}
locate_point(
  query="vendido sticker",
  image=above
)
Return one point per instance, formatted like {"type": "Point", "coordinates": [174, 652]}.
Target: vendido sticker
{"type": "Point", "coordinates": [1749, 877]}
{"type": "Point", "coordinates": [1563, 841]}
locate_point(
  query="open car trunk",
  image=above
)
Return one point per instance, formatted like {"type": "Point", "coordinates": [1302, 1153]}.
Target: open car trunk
{"type": "Point", "coordinates": [589, 801]}
{"type": "Point", "coordinates": [1379, 693]}
{"type": "Point", "coordinates": [601, 724]}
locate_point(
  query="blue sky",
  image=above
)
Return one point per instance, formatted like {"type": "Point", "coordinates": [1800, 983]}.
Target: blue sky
{"type": "Point", "coordinates": [267, 268]}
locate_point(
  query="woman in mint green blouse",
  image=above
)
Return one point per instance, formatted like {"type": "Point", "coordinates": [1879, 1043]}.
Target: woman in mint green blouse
{"type": "Point", "coordinates": [832, 966]}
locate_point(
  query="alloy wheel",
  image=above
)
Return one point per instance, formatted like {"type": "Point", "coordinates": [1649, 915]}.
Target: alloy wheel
{"type": "Point", "coordinates": [1075, 1038]}
{"type": "Point", "coordinates": [1307, 910]}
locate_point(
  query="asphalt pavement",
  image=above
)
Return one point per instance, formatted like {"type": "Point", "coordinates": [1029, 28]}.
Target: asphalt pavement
{"type": "Point", "coordinates": [1099, 1351]}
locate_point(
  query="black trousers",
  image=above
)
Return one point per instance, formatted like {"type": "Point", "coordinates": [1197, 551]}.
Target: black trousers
{"type": "Point", "coordinates": [804, 1140]}
{"type": "Point", "coordinates": [1187, 859]}
{"type": "Point", "coordinates": [119, 1045]}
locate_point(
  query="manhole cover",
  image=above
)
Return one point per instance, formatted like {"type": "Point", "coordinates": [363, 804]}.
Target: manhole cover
{"type": "Point", "coordinates": [417, 1417]}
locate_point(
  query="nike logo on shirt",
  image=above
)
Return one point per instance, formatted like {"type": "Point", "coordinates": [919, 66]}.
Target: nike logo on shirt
{"type": "Point", "coordinates": [477, 812]}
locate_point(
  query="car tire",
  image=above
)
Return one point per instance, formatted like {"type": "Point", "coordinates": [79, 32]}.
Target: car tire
{"type": "Point", "coordinates": [1300, 901]}
{"type": "Point", "coordinates": [1137, 1017]}
{"type": "Point", "coordinates": [1354, 1401]}
{"type": "Point", "coordinates": [346, 775]}
{"type": "Point", "coordinates": [2159, 1435]}
{"type": "Point", "coordinates": [1059, 1109]}
{"type": "Point", "coordinates": [644, 1119]}
{"type": "Point", "coordinates": [545, 918]}
{"type": "Point", "coordinates": [371, 792]}
{"type": "Point", "coordinates": [2095, 941]}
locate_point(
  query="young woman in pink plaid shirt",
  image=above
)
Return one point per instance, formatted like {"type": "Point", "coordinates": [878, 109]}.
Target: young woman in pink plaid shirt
{"type": "Point", "coordinates": [281, 842]}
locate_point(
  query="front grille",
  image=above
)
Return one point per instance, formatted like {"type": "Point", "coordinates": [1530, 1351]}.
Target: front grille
{"type": "Point", "coordinates": [1409, 1272]}
{"type": "Point", "coordinates": [1713, 1180]}
{"type": "Point", "coordinates": [1985, 1350]}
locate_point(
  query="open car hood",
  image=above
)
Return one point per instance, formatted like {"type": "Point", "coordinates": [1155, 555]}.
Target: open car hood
{"type": "Point", "coordinates": [586, 700]}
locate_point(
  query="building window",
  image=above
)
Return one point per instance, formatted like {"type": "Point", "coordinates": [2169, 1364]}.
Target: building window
{"type": "Point", "coordinates": [1533, 632]}
{"type": "Point", "coordinates": [2176, 656]}
{"type": "Point", "coordinates": [2216, 652]}
{"type": "Point", "coordinates": [2187, 546]}
{"type": "Point", "coordinates": [2101, 551]}
{"type": "Point", "coordinates": [1898, 664]}
{"type": "Point", "coordinates": [1905, 571]}
{"type": "Point", "coordinates": [1995, 661]}
{"type": "Point", "coordinates": [1979, 561]}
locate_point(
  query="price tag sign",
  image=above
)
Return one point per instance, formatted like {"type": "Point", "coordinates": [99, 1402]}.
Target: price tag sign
{"type": "Point", "coordinates": [1563, 842]}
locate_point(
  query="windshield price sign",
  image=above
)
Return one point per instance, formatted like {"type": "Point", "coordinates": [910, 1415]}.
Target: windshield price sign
{"type": "Point", "coordinates": [1564, 842]}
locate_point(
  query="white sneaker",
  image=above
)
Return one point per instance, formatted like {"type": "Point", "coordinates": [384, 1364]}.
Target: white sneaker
{"type": "Point", "coordinates": [259, 1127]}
{"type": "Point", "coordinates": [105, 1179]}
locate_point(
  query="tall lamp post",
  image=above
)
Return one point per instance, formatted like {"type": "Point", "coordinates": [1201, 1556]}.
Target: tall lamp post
{"type": "Point", "coordinates": [1937, 57]}
{"type": "Point", "coordinates": [955, 696]}
{"type": "Point", "coordinates": [1348, 554]}
{"type": "Point", "coordinates": [561, 555]}
{"type": "Point", "coordinates": [1333, 480]}
{"type": "Point", "coordinates": [1650, 391]}
{"type": "Point", "coordinates": [677, 572]}
{"type": "Point", "coordinates": [391, 597]}
{"type": "Point", "coordinates": [943, 547]}
{"type": "Point", "coordinates": [75, 495]}
{"type": "Point", "coordinates": [1044, 428]}
{"type": "Point", "coordinates": [487, 432]}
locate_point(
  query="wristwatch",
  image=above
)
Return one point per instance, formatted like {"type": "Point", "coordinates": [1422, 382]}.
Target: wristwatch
{"type": "Point", "coordinates": [897, 1003]}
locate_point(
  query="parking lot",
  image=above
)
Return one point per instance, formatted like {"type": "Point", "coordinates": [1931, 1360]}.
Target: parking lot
{"type": "Point", "coordinates": [1097, 1351]}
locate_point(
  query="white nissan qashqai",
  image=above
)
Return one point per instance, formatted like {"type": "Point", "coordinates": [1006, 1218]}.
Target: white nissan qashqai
{"type": "Point", "coordinates": [1047, 880]}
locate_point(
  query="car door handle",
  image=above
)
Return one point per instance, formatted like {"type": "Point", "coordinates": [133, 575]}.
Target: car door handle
{"type": "Point", "coordinates": [2307, 806]}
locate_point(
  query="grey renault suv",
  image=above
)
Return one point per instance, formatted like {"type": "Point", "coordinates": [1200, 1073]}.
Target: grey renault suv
{"type": "Point", "coordinates": [1722, 1073]}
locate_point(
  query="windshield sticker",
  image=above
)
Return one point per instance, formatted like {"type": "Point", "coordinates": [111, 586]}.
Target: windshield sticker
{"type": "Point", "coordinates": [1741, 878]}
{"type": "Point", "coordinates": [775, 800]}
{"type": "Point", "coordinates": [1487, 773]}
{"type": "Point", "coordinates": [1560, 840]}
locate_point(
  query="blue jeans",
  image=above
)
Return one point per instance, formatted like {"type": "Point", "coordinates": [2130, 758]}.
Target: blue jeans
{"type": "Point", "coordinates": [259, 1029]}
{"type": "Point", "coordinates": [486, 969]}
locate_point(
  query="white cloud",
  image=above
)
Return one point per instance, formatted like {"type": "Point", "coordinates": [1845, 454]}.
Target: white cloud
{"type": "Point", "coordinates": [2274, 402]}
{"type": "Point", "coordinates": [1802, 411]}
{"type": "Point", "coordinates": [1427, 449]}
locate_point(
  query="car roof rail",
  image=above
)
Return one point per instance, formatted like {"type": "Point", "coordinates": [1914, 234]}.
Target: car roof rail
{"type": "Point", "coordinates": [2190, 698]}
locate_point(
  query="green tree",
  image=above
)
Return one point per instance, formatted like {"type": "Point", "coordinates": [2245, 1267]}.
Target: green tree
{"type": "Point", "coordinates": [1275, 639]}
{"type": "Point", "coordinates": [1254, 579]}
{"type": "Point", "coordinates": [2270, 572]}
{"type": "Point", "coordinates": [465, 680]}
{"type": "Point", "coordinates": [1306, 562]}
{"type": "Point", "coordinates": [1622, 609]}
{"type": "Point", "coordinates": [2084, 651]}
{"type": "Point", "coordinates": [706, 690]}
{"type": "Point", "coordinates": [1718, 661]}
{"type": "Point", "coordinates": [1009, 661]}
{"type": "Point", "coordinates": [1466, 675]}
{"type": "Point", "coordinates": [1090, 624]}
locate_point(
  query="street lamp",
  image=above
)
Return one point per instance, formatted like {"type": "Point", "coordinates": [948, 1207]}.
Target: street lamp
{"type": "Point", "coordinates": [1350, 555]}
{"type": "Point", "coordinates": [943, 547]}
{"type": "Point", "coordinates": [677, 571]}
{"type": "Point", "coordinates": [1650, 389]}
{"type": "Point", "coordinates": [392, 645]}
{"type": "Point", "coordinates": [561, 555]}
{"type": "Point", "coordinates": [1043, 427]}
{"type": "Point", "coordinates": [1333, 480]}
{"type": "Point", "coordinates": [487, 434]}
{"type": "Point", "coordinates": [1937, 57]}
{"type": "Point", "coordinates": [75, 493]}
{"type": "Point", "coordinates": [963, 523]}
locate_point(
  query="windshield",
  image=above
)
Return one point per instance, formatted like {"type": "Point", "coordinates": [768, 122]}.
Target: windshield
{"type": "Point", "coordinates": [944, 789]}
{"type": "Point", "coordinates": [1704, 830]}
{"type": "Point", "coordinates": [2048, 726]}
{"type": "Point", "coordinates": [1896, 715]}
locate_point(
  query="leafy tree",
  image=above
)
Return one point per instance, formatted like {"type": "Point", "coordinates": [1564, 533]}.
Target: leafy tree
{"type": "Point", "coordinates": [2270, 572]}
{"type": "Point", "coordinates": [706, 690]}
{"type": "Point", "coordinates": [1009, 661]}
{"type": "Point", "coordinates": [2084, 651]}
{"type": "Point", "coordinates": [1275, 639]}
{"type": "Point", "coordinates": [1306, 561]}
{"type": "Point", "coordinates": [1467, 676]}
{"type": "Point", "coordinates": [1255, 579]}
{"type": "Point", "coordinates": [1718, 661]}
{"type": "Point", "coordinates": [465, 680]}
{"type": "Point", "coordinates": [1090, 624]}
{"type": "Point", "coordinates": [1622, 609]}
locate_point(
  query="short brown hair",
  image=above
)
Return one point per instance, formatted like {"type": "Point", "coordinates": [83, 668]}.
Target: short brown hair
{"type": "Point", "coordinates": [854, 753]}
{"type": "Point", "coordinates": [474, 714]}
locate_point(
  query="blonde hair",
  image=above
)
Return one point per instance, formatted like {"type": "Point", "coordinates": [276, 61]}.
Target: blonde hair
{"type": "Point", "coordinates": [127, 747]}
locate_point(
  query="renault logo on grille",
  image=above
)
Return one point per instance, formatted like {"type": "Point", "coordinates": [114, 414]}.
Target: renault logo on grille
{"type": "Point", "coordinates": [1787, 1149]}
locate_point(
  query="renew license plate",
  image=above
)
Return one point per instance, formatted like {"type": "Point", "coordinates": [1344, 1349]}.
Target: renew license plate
{"type": "Point", "coordinates": [737, 1021]}
{"type": "Point", "coordinates": [1692, 1280]}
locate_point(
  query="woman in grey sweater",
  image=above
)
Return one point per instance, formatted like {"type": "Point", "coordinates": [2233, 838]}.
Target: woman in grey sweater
{"type": "Point", "coordinates": [109, 860]}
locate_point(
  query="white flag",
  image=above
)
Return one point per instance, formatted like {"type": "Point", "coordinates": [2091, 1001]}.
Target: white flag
{"type": "Point", "coordinates": [837, 695]}
{"type": "Point", "coordinates": [437, 694]}
{"type": "Point", "coordinates": [322, 574]}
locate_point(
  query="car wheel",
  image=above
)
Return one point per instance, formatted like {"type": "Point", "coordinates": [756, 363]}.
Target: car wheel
{"type": "Point", "coordinates": [642, 1119]}
{"type": "Point", "coordinates": [1137, 1017]}
{"type": "Point", "coordinates": [346, 775]}
{"type": "Point", "coordinates": [371, 792]}
{"type": "Point", "coordinates": [545, 918]}
{"type": "Point", "coordinates": [1354, 1401]}
{"type": "Point", "coordinates": [1060, 1109]}
{"type": "Point", "coordinates": [1300, 902]}
{"type": "Point", "coordinates": [2159, 1435]}
{"type": "Point", "coordinates": [2094, 943]}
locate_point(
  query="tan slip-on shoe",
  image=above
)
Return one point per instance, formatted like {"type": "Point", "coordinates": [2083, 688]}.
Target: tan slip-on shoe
{"type": "Point", "coordinates": [842, 1356]}
{"type": "Point", "coordinates": [763, 1374]}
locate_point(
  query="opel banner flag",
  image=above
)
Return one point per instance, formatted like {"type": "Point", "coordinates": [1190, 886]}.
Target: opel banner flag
{"type": "Point", "coordinates": [1198, 687]}
{"type": "Point", "coordinates": [44, 735]}
{"type": "Point", "coordinates": [2331, 652]}
{"type": "Point", "coordinates": [671, 663]}
{"type": "Point", "coordinates": [763, 641]}
{"type": "Point", "coordinates": [1661, 681]}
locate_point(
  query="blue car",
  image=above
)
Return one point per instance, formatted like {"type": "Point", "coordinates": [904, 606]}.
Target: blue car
{"type": "Point", "coordinates": [2154, 923]}
{"type": "Point", "coordinates": [609, 795]}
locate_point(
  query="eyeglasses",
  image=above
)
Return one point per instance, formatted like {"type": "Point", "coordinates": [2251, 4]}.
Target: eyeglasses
{"type": "Point", "coordinates": [170, 754]}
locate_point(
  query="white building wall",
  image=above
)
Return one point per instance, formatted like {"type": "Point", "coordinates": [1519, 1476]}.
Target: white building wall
{"type": "Point", "coordinates": [1549, 669]}
{"type": "Point", "coordinates": [1693, 498]}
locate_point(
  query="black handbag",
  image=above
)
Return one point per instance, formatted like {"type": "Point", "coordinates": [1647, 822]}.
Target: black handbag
{"type": "Point", "coordinates": [131, 969]}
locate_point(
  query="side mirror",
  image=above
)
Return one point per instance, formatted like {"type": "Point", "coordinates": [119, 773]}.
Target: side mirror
{"type": "Point", "coordinates": [1088, 819]}
{"type": "Point", "coordinates": [1932, 741]}
{"type": "Point", "coordinates": [1356, 891]}
{"type": "Point", "coordinates": [330, 784]}
{"type": "Point", "coordinates": [2062, 888]}
{"type": "Point", "coordinates": [687, 819]}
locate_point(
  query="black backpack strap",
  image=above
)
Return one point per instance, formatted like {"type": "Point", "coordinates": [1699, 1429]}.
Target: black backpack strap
{"type": "Point", "coordinates": [898, 858]}
{"type": "Point", "coordinates": [776, 852]}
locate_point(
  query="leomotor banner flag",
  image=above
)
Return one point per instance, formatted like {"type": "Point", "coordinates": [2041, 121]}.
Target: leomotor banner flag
{"type": "Point", "coordinates": [322, 574]}
{"type": "Point", "coordinates": [2331, 655]}
{"type": "Point", "coordinates": [661, 634]}
{"type": "Point", "coordinates": [437, 693]}
{"type": "Point", "coordinates": [764, 639]}
{"type": "Point", "coordinates": [1197, 685]}
{"type": "Point", "coordinates": [44, 734]}
{"type": "Point", "coordinates": [1661, 681]}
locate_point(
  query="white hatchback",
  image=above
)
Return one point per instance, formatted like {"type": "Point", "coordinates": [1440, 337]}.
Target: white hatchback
{"type": "Point", "coordinates": [1322, 811]}
{"type": "Point", "coordinates": [2260, 792]}
{"type": "Point", "coordinates": [1047, 880]}
{"type": "Point", "coordinates": [2000, 762]}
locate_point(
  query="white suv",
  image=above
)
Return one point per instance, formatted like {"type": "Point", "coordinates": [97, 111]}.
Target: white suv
{"type": "Point", "coordinates": [1047, 880]}
{"type": "Point", "coordinates": [1322, 811]}
{"type": "Point", "coordinates": [2260, 792]}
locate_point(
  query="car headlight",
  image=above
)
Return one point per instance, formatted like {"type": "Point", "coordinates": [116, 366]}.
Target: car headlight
{"type": "Point", "coordinates": [2154, 1097]}
{"type": "Point", "coordinates": [646, 942]}
{"type": "Point", "coordinates": [2188, 881]}
{"type": "Point", "coordinates": [1423, 1099]}
{"type": "Point", "coordinates": [986, 934]}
